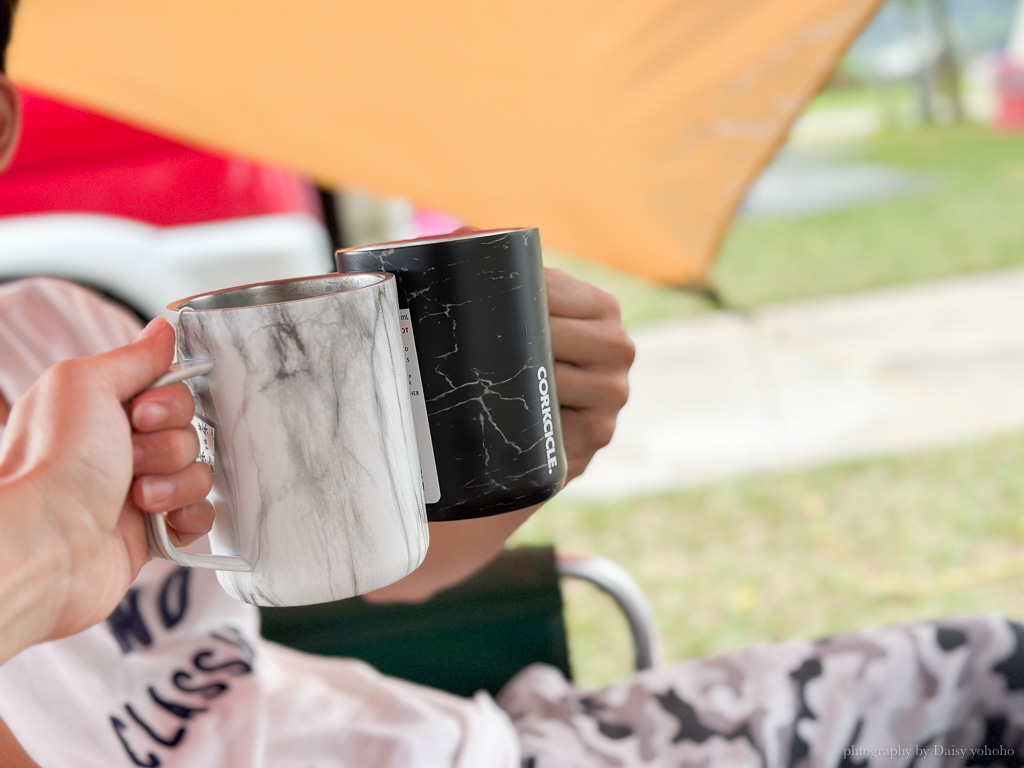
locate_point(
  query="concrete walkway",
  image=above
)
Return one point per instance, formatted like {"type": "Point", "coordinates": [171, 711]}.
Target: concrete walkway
{"type": "Point", "coordinates": [810, 383]}
{"type": "Point", "coordinates": [808, 180]}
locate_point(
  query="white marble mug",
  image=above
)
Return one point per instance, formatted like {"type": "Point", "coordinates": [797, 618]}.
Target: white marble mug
{"type": "Point", "coordinates": [305, 415]}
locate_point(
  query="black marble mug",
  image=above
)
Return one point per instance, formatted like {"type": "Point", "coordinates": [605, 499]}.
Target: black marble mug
{"type": "Point", "coordinates": [481, 369]}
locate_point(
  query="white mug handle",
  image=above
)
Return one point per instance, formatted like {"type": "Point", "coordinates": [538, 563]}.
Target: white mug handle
{"type": "Point", "coordinates": [160, 544]}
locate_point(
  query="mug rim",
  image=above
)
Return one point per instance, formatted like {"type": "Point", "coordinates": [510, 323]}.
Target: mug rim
{"type": "Point", "coordinates": [434, 239]}
{"type": "Point", "coordinates": [181, 305]}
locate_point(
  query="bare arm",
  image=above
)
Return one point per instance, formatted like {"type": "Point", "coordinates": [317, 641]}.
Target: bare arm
{"type": "Point", "coordinates": [11, 753]}
{"type": "Point", "coordinates": [592, 359]}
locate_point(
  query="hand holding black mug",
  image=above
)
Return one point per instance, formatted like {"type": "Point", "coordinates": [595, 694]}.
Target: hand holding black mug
{"type": "Point", "coordinates": [593, 355]}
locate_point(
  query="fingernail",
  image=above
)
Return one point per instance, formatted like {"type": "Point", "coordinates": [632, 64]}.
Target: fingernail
{"type": "Point", "coordinates": [155, 491]}
{"type": "Point", "coordinates": [147, 415]}
{"type": "Point", "coordinates": [153, 328]}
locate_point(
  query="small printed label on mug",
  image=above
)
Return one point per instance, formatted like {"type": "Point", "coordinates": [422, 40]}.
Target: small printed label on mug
{"type": "Point", "coordinates": [206, 435]}
{"type": "Point", "coordinates": [428, 468]}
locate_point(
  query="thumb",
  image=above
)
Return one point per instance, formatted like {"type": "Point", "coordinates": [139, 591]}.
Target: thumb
{"type": "Point", "coordinates": [130, 369]}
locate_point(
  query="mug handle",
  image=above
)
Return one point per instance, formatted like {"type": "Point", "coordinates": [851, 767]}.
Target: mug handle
{"type": "Point", "coordinates": [160, 544]}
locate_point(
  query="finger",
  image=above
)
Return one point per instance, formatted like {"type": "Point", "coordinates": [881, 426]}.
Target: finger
{"type": "Point", "coordinates": [570, 297]}
{"type": "Point", "coordinates": [195, 520]}
{"type": "Point", "coordinates": [581, 388]}
{"type": "Point", "coordinates": [591, 343]}
{"type": "Point", "coordinates": [180, 539]}
{"type": "Point", "coordinates": [584, 433]}
{"type": "Point", "coordinates": [164, 453]}
{"type": "Point", "coordinates": [575, 341]}
{"type": "Point", "coordinates": [159, 493]}
{"type": "Point", "coordinates": [131, 526]}
{"type": "Point", "coordinates": [191, 521]}
{"type": "Point", "coordinates": [130, 369]}
{"type": "Point", "coordinates": [167, 407]}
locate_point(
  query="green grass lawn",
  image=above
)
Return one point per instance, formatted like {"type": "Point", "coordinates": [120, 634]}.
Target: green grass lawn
{"type": "Point", "coordinates": [802, 554]}
{"type": "Point", "coordinates": [967, 219]}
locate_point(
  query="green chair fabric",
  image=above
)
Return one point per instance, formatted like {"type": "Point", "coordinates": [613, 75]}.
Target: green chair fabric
{"type": "Point", "coordinates": [472, 637]}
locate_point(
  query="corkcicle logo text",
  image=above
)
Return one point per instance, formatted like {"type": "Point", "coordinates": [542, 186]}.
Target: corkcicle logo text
{"type": "Point", "coordinates": [549, 425]}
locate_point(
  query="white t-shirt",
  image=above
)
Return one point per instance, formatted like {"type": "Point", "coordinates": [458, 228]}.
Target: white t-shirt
{"type": "Point", "coordinates": [178, 675]}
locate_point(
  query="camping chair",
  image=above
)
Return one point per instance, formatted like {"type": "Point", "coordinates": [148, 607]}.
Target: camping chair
{"type": "Point", "coordinates": [474, 636]}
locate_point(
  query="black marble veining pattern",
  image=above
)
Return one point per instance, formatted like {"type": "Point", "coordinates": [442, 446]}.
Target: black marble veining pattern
{"type": "Point", "coordinates": [478, 304]}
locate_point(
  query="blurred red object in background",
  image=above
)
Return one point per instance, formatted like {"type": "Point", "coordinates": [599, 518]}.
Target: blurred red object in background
{"type": "Point", "coordinates": [1010, 89]}
{"type": "Point", "coordinates": [73, 160]}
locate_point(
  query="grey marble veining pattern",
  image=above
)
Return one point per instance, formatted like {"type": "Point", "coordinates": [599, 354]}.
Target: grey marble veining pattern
{"type": "Point", "coordinates": [317, 478]}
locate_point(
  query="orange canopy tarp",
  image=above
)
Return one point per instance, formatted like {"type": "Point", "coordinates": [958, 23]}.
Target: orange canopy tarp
{"type": "Point", "coordinates": [627, 131]}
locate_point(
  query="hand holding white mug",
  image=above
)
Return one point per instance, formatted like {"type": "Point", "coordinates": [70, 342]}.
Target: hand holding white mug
{"type": "Point", "coordinates": [78, 461]}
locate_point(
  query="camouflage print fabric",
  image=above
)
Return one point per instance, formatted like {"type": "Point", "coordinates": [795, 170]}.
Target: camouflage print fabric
{"type": "Point", "coordinates": [948, 693]}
